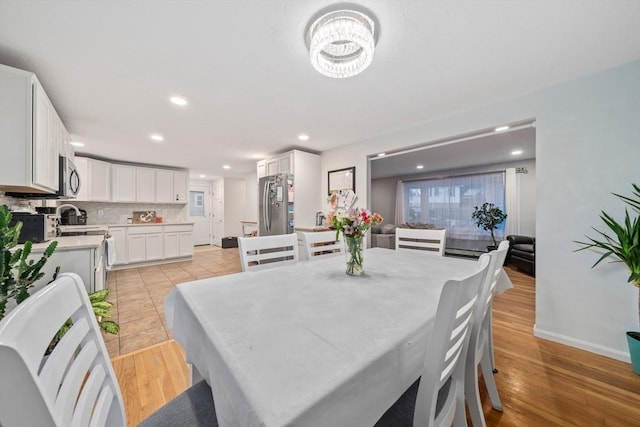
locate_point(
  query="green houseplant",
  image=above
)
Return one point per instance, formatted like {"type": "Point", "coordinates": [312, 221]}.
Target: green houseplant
{"type": "Point", "coordinates": [18, 274]}
{"type": "Point", "coordinates": [623, 245]}
{"type": "Point", "coordinates": [489, 217]}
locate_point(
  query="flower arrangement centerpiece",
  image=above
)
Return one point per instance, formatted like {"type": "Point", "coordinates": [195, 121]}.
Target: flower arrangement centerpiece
{"type": "Point", "coordinates": [353, 223]}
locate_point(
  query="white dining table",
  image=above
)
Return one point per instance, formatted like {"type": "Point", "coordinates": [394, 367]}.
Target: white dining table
{"type": "Point", "coordinates": [307, 345]}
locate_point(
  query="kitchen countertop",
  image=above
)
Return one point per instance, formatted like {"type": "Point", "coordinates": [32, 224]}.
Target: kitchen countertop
{"type": "Point", "coordinates": [316, 228]}
{"type": "Point", "coordinates": [68, 243]}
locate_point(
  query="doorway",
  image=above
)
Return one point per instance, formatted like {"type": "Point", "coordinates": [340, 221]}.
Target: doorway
{"type": "Point", "coordinates": [200, 213]}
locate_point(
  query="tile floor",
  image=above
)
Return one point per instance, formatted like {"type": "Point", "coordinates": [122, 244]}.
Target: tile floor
{"type": "Point", "coordinates": [138, 295]}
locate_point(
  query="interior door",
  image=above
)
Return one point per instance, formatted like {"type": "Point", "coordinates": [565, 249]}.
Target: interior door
{"type": "Point", "coordinates": [200, 213]}
{"type": "Point", "coordinates": [218, 213]}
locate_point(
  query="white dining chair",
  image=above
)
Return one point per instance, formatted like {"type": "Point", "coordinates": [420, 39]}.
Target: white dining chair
{"type": "Point", "coordinates": [318, 245]}
{"type": "Point", "coordinates": [75, 385]}
{"type": "Point", "coordinates": [480, 345]}
{"type": "Point", "coordinates": [427, 240]}
{"type": "Point", "coordinates": [259, 253]}
{"type": "Point", "coordinates": [437, 398]}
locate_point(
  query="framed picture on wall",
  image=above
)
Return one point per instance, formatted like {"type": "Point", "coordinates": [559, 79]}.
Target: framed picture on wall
{"type": "Point", "coordinates": [342, 179]}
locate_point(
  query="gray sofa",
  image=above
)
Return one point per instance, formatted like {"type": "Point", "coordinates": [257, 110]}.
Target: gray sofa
{"type": "Point", "coordinates": [384, 236]}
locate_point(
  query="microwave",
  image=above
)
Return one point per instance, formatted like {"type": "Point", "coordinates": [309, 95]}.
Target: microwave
{"type": "Point", "coordinates": [68, 183]}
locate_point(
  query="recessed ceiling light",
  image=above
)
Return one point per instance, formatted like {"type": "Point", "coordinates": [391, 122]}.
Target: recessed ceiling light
{"type": "Point", "coordinates": [157, 137]}
{"type": "Point", "coordinates": [303, 137]}
{"type": "Point", "coordinates": [382, 154]}
{"type": "Point", "coordinates": [419, 167]}
{"type": "Point", "coordinates": [77, 144]}
{"type": "Point", "coordinates": [501, 128]}
{"type": "Point", "coordinates": [516, 152]}
{"type": "Point", "coordinates": [226, 167]}
{"type": "Point", "coordinates": [202, 176]}
{"type": "Point", "coordinates": [178, 100]}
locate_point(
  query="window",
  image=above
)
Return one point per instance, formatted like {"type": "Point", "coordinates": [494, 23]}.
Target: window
{"type": "Point", "coordinates": [450, 202]}
{"type": "Point", "coordinates": [196, 203]}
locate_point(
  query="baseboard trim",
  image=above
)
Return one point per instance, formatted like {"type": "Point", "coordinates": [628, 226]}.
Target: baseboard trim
{"type": "Point", "coordinates": [583, 345]}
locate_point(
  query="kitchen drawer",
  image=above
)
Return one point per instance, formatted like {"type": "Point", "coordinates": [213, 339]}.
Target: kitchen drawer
{"type": "Point", "coordinates": [178, 228]}
{"type": "Point", "coordinates": [145, 229]}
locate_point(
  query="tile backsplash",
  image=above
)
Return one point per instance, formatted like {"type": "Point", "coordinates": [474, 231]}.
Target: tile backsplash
{"type": "Point", "coordinates": [117, 213]}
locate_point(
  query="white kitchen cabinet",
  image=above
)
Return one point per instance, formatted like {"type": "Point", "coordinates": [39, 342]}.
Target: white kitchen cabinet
{"type": "Point", "coordinates": [180, 187]}
{"type": "Point", "coordinates": [124, 183]}
{"type": "Point", "coordinates": [95, 180]}
{"type": "Point", "coordinates": [119, 235]}
{"type": "Point", "coordinates": [171, 186]}
{"type": "Point", "coordinates": [145, 185]}
{"type": "Point", "coordinates": [136, 248]}
{"type": "Point", "coordinates": [32, 128]}
{"type": "Point", "coordinates": [85, 262]}
{"type": "Point", "coordinates": [164, 186]}
{"type": "Point", "coordinates": [262, 169]}
{"type": "Point", "coordinates": [280, 164]}
{"type": "Point", "coordinates": [178, 241]}
{"type": "Point", "coordinates": [145, 243]}
{"type": "Point", "coordinates": [99, 181]}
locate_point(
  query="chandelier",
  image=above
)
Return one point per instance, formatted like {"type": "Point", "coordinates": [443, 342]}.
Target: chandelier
{"type": "Point", "coordinates": [341, 43]}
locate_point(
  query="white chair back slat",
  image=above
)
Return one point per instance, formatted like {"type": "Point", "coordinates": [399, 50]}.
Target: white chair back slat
{"type": "Point", "coordinates": [444, 362]}
{"type": "Point", "coordinates": [427, 240]}
{"type": "Point", "coordinates": [258, 253]}
{"type": "Point", "coordinates": [72, 387]}
{"type": "Point", "coordinates": [322, 244]}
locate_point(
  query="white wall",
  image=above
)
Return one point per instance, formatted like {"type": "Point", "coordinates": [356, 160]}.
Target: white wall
{"type": "Point", "coordinates": [234, 206]}
{"type": "Point", "coordinates": [251, 197]}
{"type": "Point", "coordinates": [587, 146]}
{"type": "Point", "coordinates": [383, 191]}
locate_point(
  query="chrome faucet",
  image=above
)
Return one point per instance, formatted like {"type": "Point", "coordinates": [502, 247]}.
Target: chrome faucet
{"type": "Point", "coordinates": [66, 205]}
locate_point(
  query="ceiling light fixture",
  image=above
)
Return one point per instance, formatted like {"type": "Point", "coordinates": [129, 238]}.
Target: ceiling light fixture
{"type": "Point", "coordinates": [303, 137]}
{"type": "Point", "coordinates": [501, 128]}
{"type": "Point", "coordinates": [419, 167]}
{"type": "Point", "coordinates": [226, 167]}
{"type": "Point", "coordinates": [157, 137]}
{"type": "Point", "coordinates": [77, 144]}
{"type": "Point", "coordinates": [178, 100]}
{"type": "Point", "coordinates": [202, 176]}
{"type": "Point", "coordinates": [341, 43]}
{"type": "Point", "coordinates": [516, 152]}
{"type": "Point", "coordinates": [382, 154]}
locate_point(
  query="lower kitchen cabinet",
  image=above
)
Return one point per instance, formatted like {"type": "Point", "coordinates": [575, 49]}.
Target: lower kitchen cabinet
{"type": "Point", "coordinates": [88, 263]}
{"type": "Point", "coordinates": [178, 241]}
{"type": "Point", "coordinates": [137, 245]}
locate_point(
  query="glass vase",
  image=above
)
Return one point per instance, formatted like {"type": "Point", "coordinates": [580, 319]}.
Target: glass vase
{"type": "Point", "coordinates": [354, 256]}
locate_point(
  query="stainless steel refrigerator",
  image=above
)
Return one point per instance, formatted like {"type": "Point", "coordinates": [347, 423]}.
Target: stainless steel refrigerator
{"type": "Point", "coordinates": [275, 202]}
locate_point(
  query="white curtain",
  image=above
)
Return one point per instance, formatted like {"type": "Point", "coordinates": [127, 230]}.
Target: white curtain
{"type": "Point", "coordinates": [512, 202]}
{"type": "Point", "coordinates": [450, 202]}
{"type": "Point", "coordinates": [399, 219]}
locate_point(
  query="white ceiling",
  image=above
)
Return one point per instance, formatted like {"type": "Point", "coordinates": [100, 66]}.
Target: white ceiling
{"type": "Point", "coordinates": [110, 67]}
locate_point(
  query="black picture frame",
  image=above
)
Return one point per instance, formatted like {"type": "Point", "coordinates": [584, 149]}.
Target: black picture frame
{"type": "Point", "coordinates": [341, 179]}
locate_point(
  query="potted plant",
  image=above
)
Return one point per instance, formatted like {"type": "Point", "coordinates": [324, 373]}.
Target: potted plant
{"type": "Point", "coordinates": [623, 244]}
{"type": "Point", "coordinates": [17, 272]}
{"type": "Point", "coordinates": [489, 217]}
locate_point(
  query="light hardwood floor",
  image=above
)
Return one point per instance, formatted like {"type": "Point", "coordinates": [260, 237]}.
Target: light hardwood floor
{"type": "Point", "coordinates": [541, 383]}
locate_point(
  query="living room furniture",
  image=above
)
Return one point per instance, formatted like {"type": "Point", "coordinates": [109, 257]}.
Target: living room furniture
{"type": "Point", "coordinates": [311, 324]}
{"type": "Point", "coordinates": [427, 241]}
{"type": "Point", "coordinates": [522, 253]}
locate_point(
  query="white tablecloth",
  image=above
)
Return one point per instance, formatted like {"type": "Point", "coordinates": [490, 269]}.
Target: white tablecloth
{"type": "Point", "coordinates": [308, 345]}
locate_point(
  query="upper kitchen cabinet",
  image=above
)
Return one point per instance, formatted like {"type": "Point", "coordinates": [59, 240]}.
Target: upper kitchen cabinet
{"type": "Point", "coordinates": [124, 183]}
{"type": "Point", "coordinates": [282, 163]}
{"type": "Point", "coordinates": [171, 186]}
{"type": "Point", "coordinates": [145, 185]}
{"type": "Point", "coordinates": [31, 132]}
{"type": "Point", "coordinates": [95, 180]}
